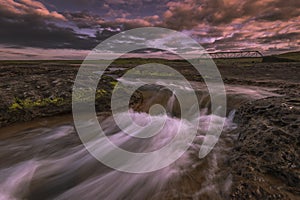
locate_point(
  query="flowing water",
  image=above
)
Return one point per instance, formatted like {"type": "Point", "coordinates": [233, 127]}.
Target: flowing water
{"type": "Point", "coordinates": [46, 160]}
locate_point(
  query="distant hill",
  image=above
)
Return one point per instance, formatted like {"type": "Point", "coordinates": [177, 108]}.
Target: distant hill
{"type": "Point", "coordinates": [291, 55]}
{"type": "Point", "coordinates": [285, 57]}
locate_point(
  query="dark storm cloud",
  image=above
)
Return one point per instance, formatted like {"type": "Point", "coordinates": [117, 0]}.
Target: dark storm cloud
{"type": "Point", "coordinates": [30, 23]}
{"type": "Point", "coordinates": [30, 31]}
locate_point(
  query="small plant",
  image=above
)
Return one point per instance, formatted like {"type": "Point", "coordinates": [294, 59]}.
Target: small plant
{"type": "Point", "coordinates": [28, 103]}
{"type": "Point", "coordinates": [100, 93]}
{"type": "Point", "coordinates": [114, 83]}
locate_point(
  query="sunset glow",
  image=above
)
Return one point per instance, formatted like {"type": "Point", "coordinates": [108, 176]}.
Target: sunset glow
{"type": "Point", "coordinates": [74, 27]}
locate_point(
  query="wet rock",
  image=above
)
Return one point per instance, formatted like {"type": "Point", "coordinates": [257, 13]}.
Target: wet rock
{"type": "Point", "coordinates": [267, 148]}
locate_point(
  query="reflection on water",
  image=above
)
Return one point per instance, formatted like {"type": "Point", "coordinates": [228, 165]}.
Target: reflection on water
{"type": "Point", "coordinates": [49, 162]}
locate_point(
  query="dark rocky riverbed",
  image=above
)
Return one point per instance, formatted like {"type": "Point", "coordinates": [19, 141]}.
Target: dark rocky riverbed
{"type": "Point", "coordinates": [265, 159]}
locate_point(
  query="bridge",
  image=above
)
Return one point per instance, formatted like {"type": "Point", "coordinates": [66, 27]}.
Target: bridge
{"type": "Point", "coordinates": [237, 54]}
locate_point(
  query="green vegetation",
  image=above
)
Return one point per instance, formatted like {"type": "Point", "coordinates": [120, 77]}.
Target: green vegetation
{"type": "Point", "coordinates": [114, 83]}
{"type": "Point", "coordinates": [28, 103]}
{"type": "Point", "coordinates": [239, 61]}
{"type": "Point", "coordinates": [100, 93]}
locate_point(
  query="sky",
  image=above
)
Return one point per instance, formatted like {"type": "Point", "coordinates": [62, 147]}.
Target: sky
{"type": "Point", "coordinates": [70, 29]}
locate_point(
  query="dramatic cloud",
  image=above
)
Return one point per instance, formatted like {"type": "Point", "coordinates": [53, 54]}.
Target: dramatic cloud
{"type": "Point", "coordinates": [84, 19]}
{"type": "Point", "coordinates": [127, 24]}
{"type": "Point", "coordinates": [30, 24]}
{"type": "Point", "coordinates": [29, 31]}
{"type": "Point", "coordinates": [190, 13]}
{"type": "Point", "coordinates": [235, 24]}
{"type": "Point", "coordinates": [28, 7]}
{"type": "Point", "coordinates": [218, 25]}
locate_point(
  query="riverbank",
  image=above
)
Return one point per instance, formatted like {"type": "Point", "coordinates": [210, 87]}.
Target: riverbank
{"type": "Point", "coordinates": [264, 162]}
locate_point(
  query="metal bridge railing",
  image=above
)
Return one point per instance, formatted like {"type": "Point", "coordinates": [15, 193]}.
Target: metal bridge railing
{"type": "Point", "coordinates": [237, 54]}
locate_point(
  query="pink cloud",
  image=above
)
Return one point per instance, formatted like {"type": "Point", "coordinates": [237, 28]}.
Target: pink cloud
{"type": "Point", "coordinates": [29, 7]}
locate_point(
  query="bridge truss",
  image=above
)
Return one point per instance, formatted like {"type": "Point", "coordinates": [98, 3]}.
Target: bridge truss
{"type": "Point", "coordinates": [237, 54]}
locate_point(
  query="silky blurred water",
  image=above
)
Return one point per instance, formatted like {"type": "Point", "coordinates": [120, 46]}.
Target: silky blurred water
{"type": "Point", "coordinates": [49, 161]}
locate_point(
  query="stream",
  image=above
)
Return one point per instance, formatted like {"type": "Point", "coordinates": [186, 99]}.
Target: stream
{"type": "Point", "coordinates": [45, 159]}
